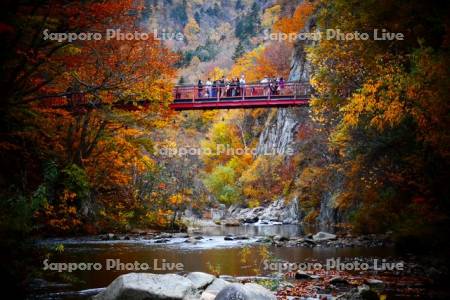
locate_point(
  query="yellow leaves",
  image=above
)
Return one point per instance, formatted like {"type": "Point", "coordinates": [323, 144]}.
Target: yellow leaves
{"type": "Point", "coordinates": [270, 16]}
{"type": "Point", "coordinates": [240, 163]}
{"type": "Point", "coordinates": [148, 162]}
{"type": "Point", "coordinates": [191, 31]}
{"type": "Point", "coordinates": [378, 101]}
{"type": "Point", "coordinates": [209, 115]}
{"type": "Point", "coordinates": [159, 217]}
{"type": "Point", "coordinates": [246, 65]}
{"type": "Point", "coordinates": [72, 210]}
{"type": "Point", "coordinates": [344, 199]}
{"type": "Point", "coordinates": [216, 73]}
{"type": "Point", "coordinates": [130, 132]}
{"type": "Point", "coordinates": [264, 179]}
{"type": "Point", "coordinates": [311, 183]}
{"type": "Point", "coordinates": [311, 216]}
{"type": "Point", "coordinates": [244, 254]}
{"type": "Point", "coordinates": [252, 202]}
{"type": "Point", "coordinates": [176, 199]}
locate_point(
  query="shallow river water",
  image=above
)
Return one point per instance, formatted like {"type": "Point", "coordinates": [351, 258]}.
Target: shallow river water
{"type": "Point", "coordinates": [212, 253]}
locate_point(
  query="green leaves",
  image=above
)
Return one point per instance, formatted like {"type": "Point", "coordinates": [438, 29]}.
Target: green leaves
{"type": "Point", "coordinates": [222, 184]}
{"type": "Point", "coordinates": [76, 180]}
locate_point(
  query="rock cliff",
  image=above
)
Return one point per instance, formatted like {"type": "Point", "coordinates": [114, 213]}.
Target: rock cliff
{"type": "Point", "coordinates": [281, 133]}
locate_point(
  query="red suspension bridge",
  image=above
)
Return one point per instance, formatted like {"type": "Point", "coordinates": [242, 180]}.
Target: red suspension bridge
{"type": "Point", "coordinates": [207, 98]}
{"type": "Point", "coordinates": [248, 96]}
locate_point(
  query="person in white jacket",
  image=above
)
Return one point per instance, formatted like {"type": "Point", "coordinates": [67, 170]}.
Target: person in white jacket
{"type": "Point", "coordinates": [242, 85]}
{"type": "Point", "coordinates": [265, 83]}
{"type": "Point", "coordinates": [209, 87]}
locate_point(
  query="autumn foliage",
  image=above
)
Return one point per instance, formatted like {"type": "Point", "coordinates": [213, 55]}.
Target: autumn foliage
{"type": "Point", "coordinates": [84, 167]}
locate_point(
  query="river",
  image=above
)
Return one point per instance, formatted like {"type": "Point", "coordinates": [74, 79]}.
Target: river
{"type": "Point", "coordinates": [211, 252]}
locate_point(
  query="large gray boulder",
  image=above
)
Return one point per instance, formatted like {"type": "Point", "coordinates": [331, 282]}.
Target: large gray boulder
{"type": "Point", "coordinates": [213, 289]}
{"type": "Point", "coordinates": [200, 279]}
{"type": "Point", "coordinates": [323, 236]}
{"type": "Point", "coordinates": [249, 291]}
{"type": "Point", "coordinates": [145, 286]}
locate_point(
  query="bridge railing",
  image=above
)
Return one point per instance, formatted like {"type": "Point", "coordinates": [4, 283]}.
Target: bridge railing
{"type": "Point", "coordinates": [185, 94]}
{"type": "Point", "coordinates": [74, 99]}
{"type": "Point", "coordinates": [254, 91]}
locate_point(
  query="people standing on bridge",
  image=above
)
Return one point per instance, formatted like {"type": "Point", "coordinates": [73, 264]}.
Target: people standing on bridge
{"type": "Point", "coordinates": [214, 89]}
{"type": "Point", "coordinates": [227, 88]}
{"type": "Point", "coordinates": [242, 85]}
{"type": "Point", "coordinates": [200, 88]}
{"type": "Point", "coordinates": [266, 88]}
{"type": "Point", "coordinates": [233, 87]}
{"type": "Point", "coordinates": [208, 87]}
{"type": "Point", "coordinates": [281, 84]}
{"type": "Point", "coordinates": [238, 87]}
{"type": "Point", "coordinates": [274, 87]}
{"type": "Point", "coordinates": [222, 87]}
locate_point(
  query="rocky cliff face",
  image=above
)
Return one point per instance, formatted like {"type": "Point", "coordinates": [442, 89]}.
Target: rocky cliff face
{"type": "Point", "coordinates": [281, 130]}
{"type": "Point", "coordinates": [278, 212]}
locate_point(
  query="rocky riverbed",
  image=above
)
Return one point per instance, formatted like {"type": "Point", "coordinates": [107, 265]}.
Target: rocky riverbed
{"type": "Point", "coordinates": [320, 239]}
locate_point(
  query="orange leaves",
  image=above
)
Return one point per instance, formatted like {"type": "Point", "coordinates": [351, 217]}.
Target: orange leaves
{"type": "Point", "coordinates": [61, 217]}
{"type": "Point", "coordinates": [297, 21]}
{"type": "Point", "coordinates": [272, 59]}
{"type": "Point", "coordinates": [112, 68]}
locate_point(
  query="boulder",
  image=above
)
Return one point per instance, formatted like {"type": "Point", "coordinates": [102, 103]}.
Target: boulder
{"type": "Point", "coordinates": [249, 291]}
{"type": "Point", "coordinates": [200, 279]}
{"type": "Point", "coordinates": [191, 240]}
{"type": "Point", "coordinates": [375, 283]}
{"type": "Point", "coordinates": [251, 220]}
{"type": "Point", "coordinates": [213, 289]}
{"type": "Point", "coordinates": [241, 237]}
{"type": "Point", "coordinates": [263, 240]}
{"type": "Point", "coordinates": [140, 286]}
{"type": "Point", "coordinates": [182, 235]}
{"type": "Point", "coordinates": [339, 281]}
{"type": "Point", "coordinates": [323, 236]}
{"type": "Point", "coordinates": [302, 275]}
{"type": "Point", "coordinates": [165, 235]}
{"type": "Point", "coordinates": [161, 241]}
{"type": "Point", "coordinates": [280, 238]}
{"type": "Point", "coordinates": [361, 293]}
{"type": "Point", "coordinates": [231, 222]}
{"type": "Point", "coordinates": [288, 221]}
{"type": "Point", "coordinates": [228, 278]}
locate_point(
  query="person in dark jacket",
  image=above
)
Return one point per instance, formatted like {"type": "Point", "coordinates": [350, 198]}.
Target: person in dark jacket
{"type": "Point", "coordinates": [200, 88]}
{"type": "Point", "coordinates": [214, 89]}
